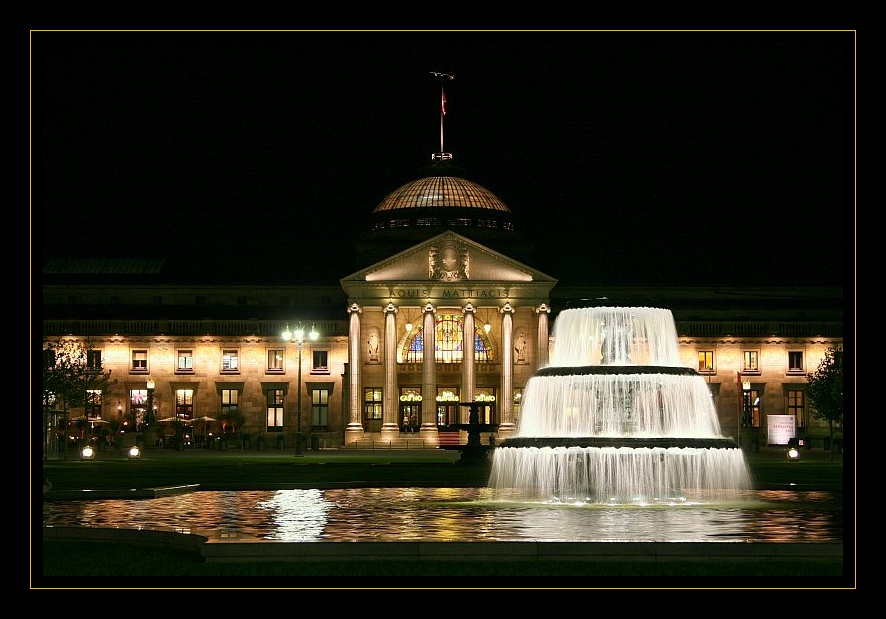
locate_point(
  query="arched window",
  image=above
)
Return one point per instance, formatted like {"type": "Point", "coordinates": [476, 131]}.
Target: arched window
{"type": "Point", "coordinates": [448, 342]}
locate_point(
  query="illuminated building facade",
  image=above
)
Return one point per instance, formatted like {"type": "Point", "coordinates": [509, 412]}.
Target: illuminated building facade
{"type": "Point", "coordinates": [441, 270]}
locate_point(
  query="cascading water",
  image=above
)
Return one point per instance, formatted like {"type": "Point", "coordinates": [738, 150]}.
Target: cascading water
{"type": "Point", "coordinates": [615, 419]}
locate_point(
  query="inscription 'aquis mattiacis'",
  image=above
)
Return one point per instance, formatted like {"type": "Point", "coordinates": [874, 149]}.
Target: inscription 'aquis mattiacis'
{"type": "Point", "coordinates": [449, 293]}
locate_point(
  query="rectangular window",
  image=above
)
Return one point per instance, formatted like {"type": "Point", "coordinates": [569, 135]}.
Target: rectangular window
{"type": "Point", "coordinates": [185, 361]}
{"type": "Point", "coordinates": [320, 409]}
{"type": "Point", "coordinates": [706, 361]}
{"type": "Point", "coordinates": [94, 360]}
{"type": "Point", "coordinates": [797, 406]}
{"type": "Point", "coordinates": [275, 410]}
{"type": "Point", "coordinates": [230, 360]}
{"type": "Point", "coordinates": [138, 406]}
{"type": "Point", "coordinates": [372, 405]}
{"type": "Point", "coordinates": [230, 400]}
{"type": "Point", "coordinates": [184, 403]}
{"type": "Point", "coordinates": [275, 361]}
{"type": "Point", "coordinates": [320, 360]}
{"type": "Point", "coordinates": [93, 404]}
{"type": "Point", "coordinates": [750, 408]}
{"type": "Point", "coordinates": [795, 362]}
{"type": "Point", "coordinates": [140, 361]}
{"type": "Point", "coordinates": [751, 361]}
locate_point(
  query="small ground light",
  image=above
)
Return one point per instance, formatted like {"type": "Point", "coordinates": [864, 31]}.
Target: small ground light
{"type": "Point", "coordinates": [793, 453]}
{"type": "Point", "coordinates": [134, 452]}
{"type": "Point", "coordinates": [87, 453]}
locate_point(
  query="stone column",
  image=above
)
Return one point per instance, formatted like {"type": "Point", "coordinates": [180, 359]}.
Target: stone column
{"type": "Point", "coordinates": [428, 428]}
{"type": "Point", "coordinates": [543, 343]}
{"type": "Point", "coordinates": [389, 429]}
{"type": "Point", "coordinates": [354, 429]}
{"type": "Point", "coordinates": [506, 398]}
{"type": "Point", "coordinates": [468, 379]}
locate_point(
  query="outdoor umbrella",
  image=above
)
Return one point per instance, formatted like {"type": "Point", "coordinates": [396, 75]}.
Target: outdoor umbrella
{"type": "Point", "coordinates": [205, 419]}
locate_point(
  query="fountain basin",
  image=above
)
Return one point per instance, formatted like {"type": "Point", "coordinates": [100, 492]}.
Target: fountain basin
{"type": "Point", "coordinates": [664, 442]}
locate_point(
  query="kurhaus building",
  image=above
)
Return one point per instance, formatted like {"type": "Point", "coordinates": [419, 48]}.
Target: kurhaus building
{"type": "Point", "coordinates": [443, 309]}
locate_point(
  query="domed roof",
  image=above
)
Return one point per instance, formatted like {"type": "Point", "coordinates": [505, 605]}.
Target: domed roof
{"type": "Point", "coordinates": [442, 199]}
{"type": "Point", "coordinates": [441, 192]}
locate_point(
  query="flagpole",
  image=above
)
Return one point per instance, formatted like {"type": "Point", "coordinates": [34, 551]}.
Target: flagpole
{"type": "Point", "coordinates": [442, 112]}
{"type": "Point", "coordinates": [450, 77]}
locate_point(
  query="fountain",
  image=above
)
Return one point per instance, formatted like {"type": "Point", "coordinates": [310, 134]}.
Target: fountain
{"type": "Point", "coordinates": [616, 419]}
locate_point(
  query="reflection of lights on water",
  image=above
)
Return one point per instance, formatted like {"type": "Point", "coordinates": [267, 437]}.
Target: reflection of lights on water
{"type": "Point", "coordinates": [298, 514]}
{"type": "Point", "coordinates": [462, 514]}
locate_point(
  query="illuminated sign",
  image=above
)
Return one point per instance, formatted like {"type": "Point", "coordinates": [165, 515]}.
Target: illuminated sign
{"type": "Point", "coordinates": [781, 428]}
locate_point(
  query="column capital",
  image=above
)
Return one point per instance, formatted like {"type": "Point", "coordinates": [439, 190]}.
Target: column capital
{"type": "Point", "coordinates": [429, 309]}
{"type": "Point", "coordinates": [469, 308]}
{"type": "Point", "coordinates": [544, 308]}
{"type": "Point", "coordinates": [506, 308]}
{"type": "Point", "coordinates": [353, 307]}
{"type": "Point", "coordinates": [390, 308]}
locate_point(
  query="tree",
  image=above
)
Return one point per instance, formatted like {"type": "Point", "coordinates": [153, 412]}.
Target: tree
{"type": "Point", "coordinates": [825, 391]}
{"type": "Point", "coordinates": [71, 379]}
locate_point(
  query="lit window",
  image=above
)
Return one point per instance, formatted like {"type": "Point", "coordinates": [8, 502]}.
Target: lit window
{"type": "Point", "coordinates": [275, 410]}
{"type": "Point", "coordinates": [751, 361]}
{"type": "Point", "coordinates": [185, 361]}
{"type": "Point", "coordinates": [706, 361]}
{"type": "Point", "coordinates": [139, 360]}
{"type": "Point", "coordinates": [372, 404]}
{"type": "Point", "coordinates": [230, 360]}
{"type": "Point", "coordinates": [275, 360]}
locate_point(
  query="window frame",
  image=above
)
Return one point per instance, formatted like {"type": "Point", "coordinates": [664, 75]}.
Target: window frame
{"type": "Point", "coordinates": [373, 399]}
{"type": "Point", "coordinates": [319, 361]}
{"type": "Point", "coordinates": [319, 399]}
{"type": "Point", "coordinates": [796, 406]}
{"type": "Point", "coordinates": [229, 354]}
{"type": "Point", "coordinates": [801, 371]}
{"type": "Point", "coordinates": [274, 398]}
{"type": "Point", "coordinates": [705, 368]}
{"type": "Point", "coordinates": [179, 355]}
{"type": "Point", "coordinates": [133, 368]}
{"type": "Point", "coordinates": [746, 355]}
{"type": "Point", "coordinates": [275, 359]}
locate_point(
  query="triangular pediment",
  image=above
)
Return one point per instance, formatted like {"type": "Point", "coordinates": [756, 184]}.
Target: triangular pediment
{"type": "Point", "coordinates": [449, 257]}
{"type": "Point", "coordinates": [448, 268]}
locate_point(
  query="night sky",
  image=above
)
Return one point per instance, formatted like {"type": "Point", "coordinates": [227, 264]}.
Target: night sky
{"type": "Point", "coordinates": [633, 158]}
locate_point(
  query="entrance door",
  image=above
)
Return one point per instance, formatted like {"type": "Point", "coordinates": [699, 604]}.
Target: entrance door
{"type": "Point", "coordinates": [410, 415]}
{"type": "Point", "coordinates": [447, 413]}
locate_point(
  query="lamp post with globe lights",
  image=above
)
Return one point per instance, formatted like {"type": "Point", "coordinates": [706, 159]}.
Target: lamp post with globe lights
{"type": "Point", "coordinates": [298, 337]}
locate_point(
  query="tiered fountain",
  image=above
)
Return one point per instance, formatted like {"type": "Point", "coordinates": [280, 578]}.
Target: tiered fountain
{"type": "Point", "coordinates": [616, 419]}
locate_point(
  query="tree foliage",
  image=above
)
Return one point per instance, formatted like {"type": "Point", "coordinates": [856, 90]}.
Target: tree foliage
{"type": "Point", "coordinates": [825, 390]}
{"type": "Point", "coordinates": [68, 377]}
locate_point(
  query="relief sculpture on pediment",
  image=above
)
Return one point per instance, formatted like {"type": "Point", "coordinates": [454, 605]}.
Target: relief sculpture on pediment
{"type": "Point", "coordinates": [448, 262]}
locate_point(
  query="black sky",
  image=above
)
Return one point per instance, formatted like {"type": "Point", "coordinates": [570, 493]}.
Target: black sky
{"type": "Point", "coordinates": [627, 157]}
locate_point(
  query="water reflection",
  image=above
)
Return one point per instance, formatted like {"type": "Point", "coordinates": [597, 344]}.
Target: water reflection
{"type": "Point", "coordinates": [463, 514]}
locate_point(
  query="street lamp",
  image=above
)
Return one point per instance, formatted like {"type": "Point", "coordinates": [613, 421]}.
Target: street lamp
{"type": "Point", "coordinates": [149, 404]}
{"type": "Point", "coordinates": [298, 337]}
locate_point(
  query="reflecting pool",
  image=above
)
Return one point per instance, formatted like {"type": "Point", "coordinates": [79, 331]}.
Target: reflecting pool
{"type": "Point", "coordinates": [463, 514]}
